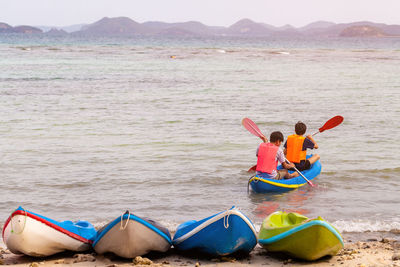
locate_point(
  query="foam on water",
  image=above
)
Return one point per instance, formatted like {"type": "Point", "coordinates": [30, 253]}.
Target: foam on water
{"type": "Point", "coordinates": [360, 226]}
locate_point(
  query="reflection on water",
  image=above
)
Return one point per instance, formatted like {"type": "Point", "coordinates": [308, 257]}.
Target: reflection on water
{"type": "Point", "coordinates": [292, 201]}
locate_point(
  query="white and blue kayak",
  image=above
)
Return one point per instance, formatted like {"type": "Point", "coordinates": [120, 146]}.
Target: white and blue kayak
{"type": "Point", "coordinates": [129, 236]}
{"type": "Point", "coordinates": [221, 234]}
{"type": "Point", "coordinates": [29, 233]}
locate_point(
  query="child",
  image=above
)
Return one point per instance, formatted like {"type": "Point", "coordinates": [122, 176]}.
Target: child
{"type": "Point", "coordinates": [296, 148]}
{"type": "Point", "coordinates": [268, 156]}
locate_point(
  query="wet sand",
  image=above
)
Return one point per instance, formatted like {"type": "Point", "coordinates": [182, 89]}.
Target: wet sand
{"type": "Point", "coordinates": [372, 253]}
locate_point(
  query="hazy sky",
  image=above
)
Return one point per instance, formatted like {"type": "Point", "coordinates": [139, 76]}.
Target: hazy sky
{"type": "Point", "coordinates": [209, 12]}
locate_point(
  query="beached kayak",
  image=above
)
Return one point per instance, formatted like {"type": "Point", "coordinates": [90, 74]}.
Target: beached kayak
{"type": "Point", "coordinates": [129, 236]}
{"type": "Point", "coordinates": [32, 234]}
{"type": "Point", "coordinates": [298, 236]}
{"type": "Point", "coordinates": [260, 184]}
{"type": "Point", "coordinates": [221, 234]}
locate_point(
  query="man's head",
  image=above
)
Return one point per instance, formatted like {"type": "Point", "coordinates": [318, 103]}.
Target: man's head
{"type": "Point", "coordinates": [300, 128]}
{"type": "Point", "coordinates": [276, 138]}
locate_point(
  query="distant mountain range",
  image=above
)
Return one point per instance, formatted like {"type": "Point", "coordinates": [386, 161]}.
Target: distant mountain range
{"type": "Point", "coordinates": [5, 28]}
{"type": "Point", "coordinates": [123, 26]}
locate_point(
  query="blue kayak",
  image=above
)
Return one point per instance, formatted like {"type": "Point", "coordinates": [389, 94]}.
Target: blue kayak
{"type": "Point", "coordinates": [221, 234]}
{"type": "Point", "coordinates": [260, 184]}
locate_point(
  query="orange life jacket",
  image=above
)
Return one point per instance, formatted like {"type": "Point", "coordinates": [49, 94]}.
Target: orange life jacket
{"type": "Point", "coordinates": [294, 148]}
{"type": "Point", "coordinates": [266, 161]}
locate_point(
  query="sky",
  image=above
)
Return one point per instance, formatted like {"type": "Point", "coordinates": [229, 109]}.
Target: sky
{"type": "Point", "coordinates": [210, 12]}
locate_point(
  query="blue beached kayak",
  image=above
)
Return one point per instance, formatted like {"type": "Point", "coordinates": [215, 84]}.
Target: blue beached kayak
{"type": "Point", "coordinates": [265, 185]}
{"type": "Point", "coordinates": [221, 234]}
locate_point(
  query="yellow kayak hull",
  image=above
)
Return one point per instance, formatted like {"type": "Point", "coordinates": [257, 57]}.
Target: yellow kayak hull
{"type": "Point", "coordinates": [299, 237]}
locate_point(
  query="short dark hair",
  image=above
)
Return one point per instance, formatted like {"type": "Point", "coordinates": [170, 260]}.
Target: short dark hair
{"type": "Point", "coordinates": [300, 128]}
{"type": "Point", "coordinates": [276, 136]}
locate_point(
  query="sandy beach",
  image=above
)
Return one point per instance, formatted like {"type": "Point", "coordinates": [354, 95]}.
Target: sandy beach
{"type": "Point", "coordinates": [384, 252]}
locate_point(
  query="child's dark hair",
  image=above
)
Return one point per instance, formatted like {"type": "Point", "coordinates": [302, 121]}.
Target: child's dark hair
{"type": "Point", "coordinates": [300, 128]}
{"type": "Point", "coordinates": [276, 136]}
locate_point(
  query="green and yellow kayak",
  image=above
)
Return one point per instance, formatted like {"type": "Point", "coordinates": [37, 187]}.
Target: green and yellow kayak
{"type": "Point", "coordinates": [299, 237]}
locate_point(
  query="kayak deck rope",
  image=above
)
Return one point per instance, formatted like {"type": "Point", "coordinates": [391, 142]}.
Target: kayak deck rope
{"type": "Point", "coordinates": [127, 220]}
{"type": "Point", "coordinates": [226, 220]}
{"type": "Point", "coordinates": [248, 183]}
{"type": "Point", "coordinates": [23, 228]}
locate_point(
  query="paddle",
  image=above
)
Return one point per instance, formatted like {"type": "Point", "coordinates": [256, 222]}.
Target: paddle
{"type": "Point", "coordinates": [331, 123]}
{"type": "Point", "coordinates": [253, 169]}
{"type": "Point", "coordinates": [308, 181]}
{"type": "Point", "coordinates": [252, 128]}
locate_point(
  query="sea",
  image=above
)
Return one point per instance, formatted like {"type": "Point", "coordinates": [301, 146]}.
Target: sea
{"type": "Point", "coordinates": [92, 127]}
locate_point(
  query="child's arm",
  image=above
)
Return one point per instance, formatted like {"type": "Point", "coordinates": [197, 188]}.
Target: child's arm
{"type": "Point", "coordinates": [282, 160]}
{"type": "Point", "coordinates": [312, 140]}
{"type": "Point", "coordinates": [288, 165]}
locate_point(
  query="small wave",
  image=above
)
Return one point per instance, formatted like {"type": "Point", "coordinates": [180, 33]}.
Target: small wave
{"type": "Point", "coordinates": [273, 123]}
{"type": "Point", "coordinates": [360, 226]}
{"type": "Point", "coordinates": [280, 53]}
{"type": "Point", "coordinates": [70, 185]}
{"type": "Point", "coordinates": [370, 172]}
{"type": "Point", "coordinates": [54, 49]}
{"type": "Point", "coordinates": [175, 121]}
{"type": "Point", "coordinates": [365, 51]}
{"type": "Point", "coordinates": [24, 48]}
{"type": "Point", "coordinates": [385, 170]}
{"type": "Point", "coordinates": [382, 58]}
{"type": "Point", "coordinates": [30, 79]}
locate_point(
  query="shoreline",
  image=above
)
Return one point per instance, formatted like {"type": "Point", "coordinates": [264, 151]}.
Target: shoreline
{"type": "Point", "coordinates": [372, 252]}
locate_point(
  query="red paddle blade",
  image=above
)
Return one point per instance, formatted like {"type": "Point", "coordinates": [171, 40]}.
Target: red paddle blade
{"type": "Point", "coordinates": [253, 169]}
{"type": "Point", "coordinates": [252, 127]}
{"type": "Point", "coordinates": [335, 121]}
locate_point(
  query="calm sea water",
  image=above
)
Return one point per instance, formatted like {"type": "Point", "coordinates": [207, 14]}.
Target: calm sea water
{"type": "Point", "coordinates": [90, 128]}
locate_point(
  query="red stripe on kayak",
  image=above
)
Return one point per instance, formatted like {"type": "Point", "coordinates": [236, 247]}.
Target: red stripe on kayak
{"type": "Point", "coordinates": [52, 225]}
{"type": "Point", "coordinates": [4, 227]}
